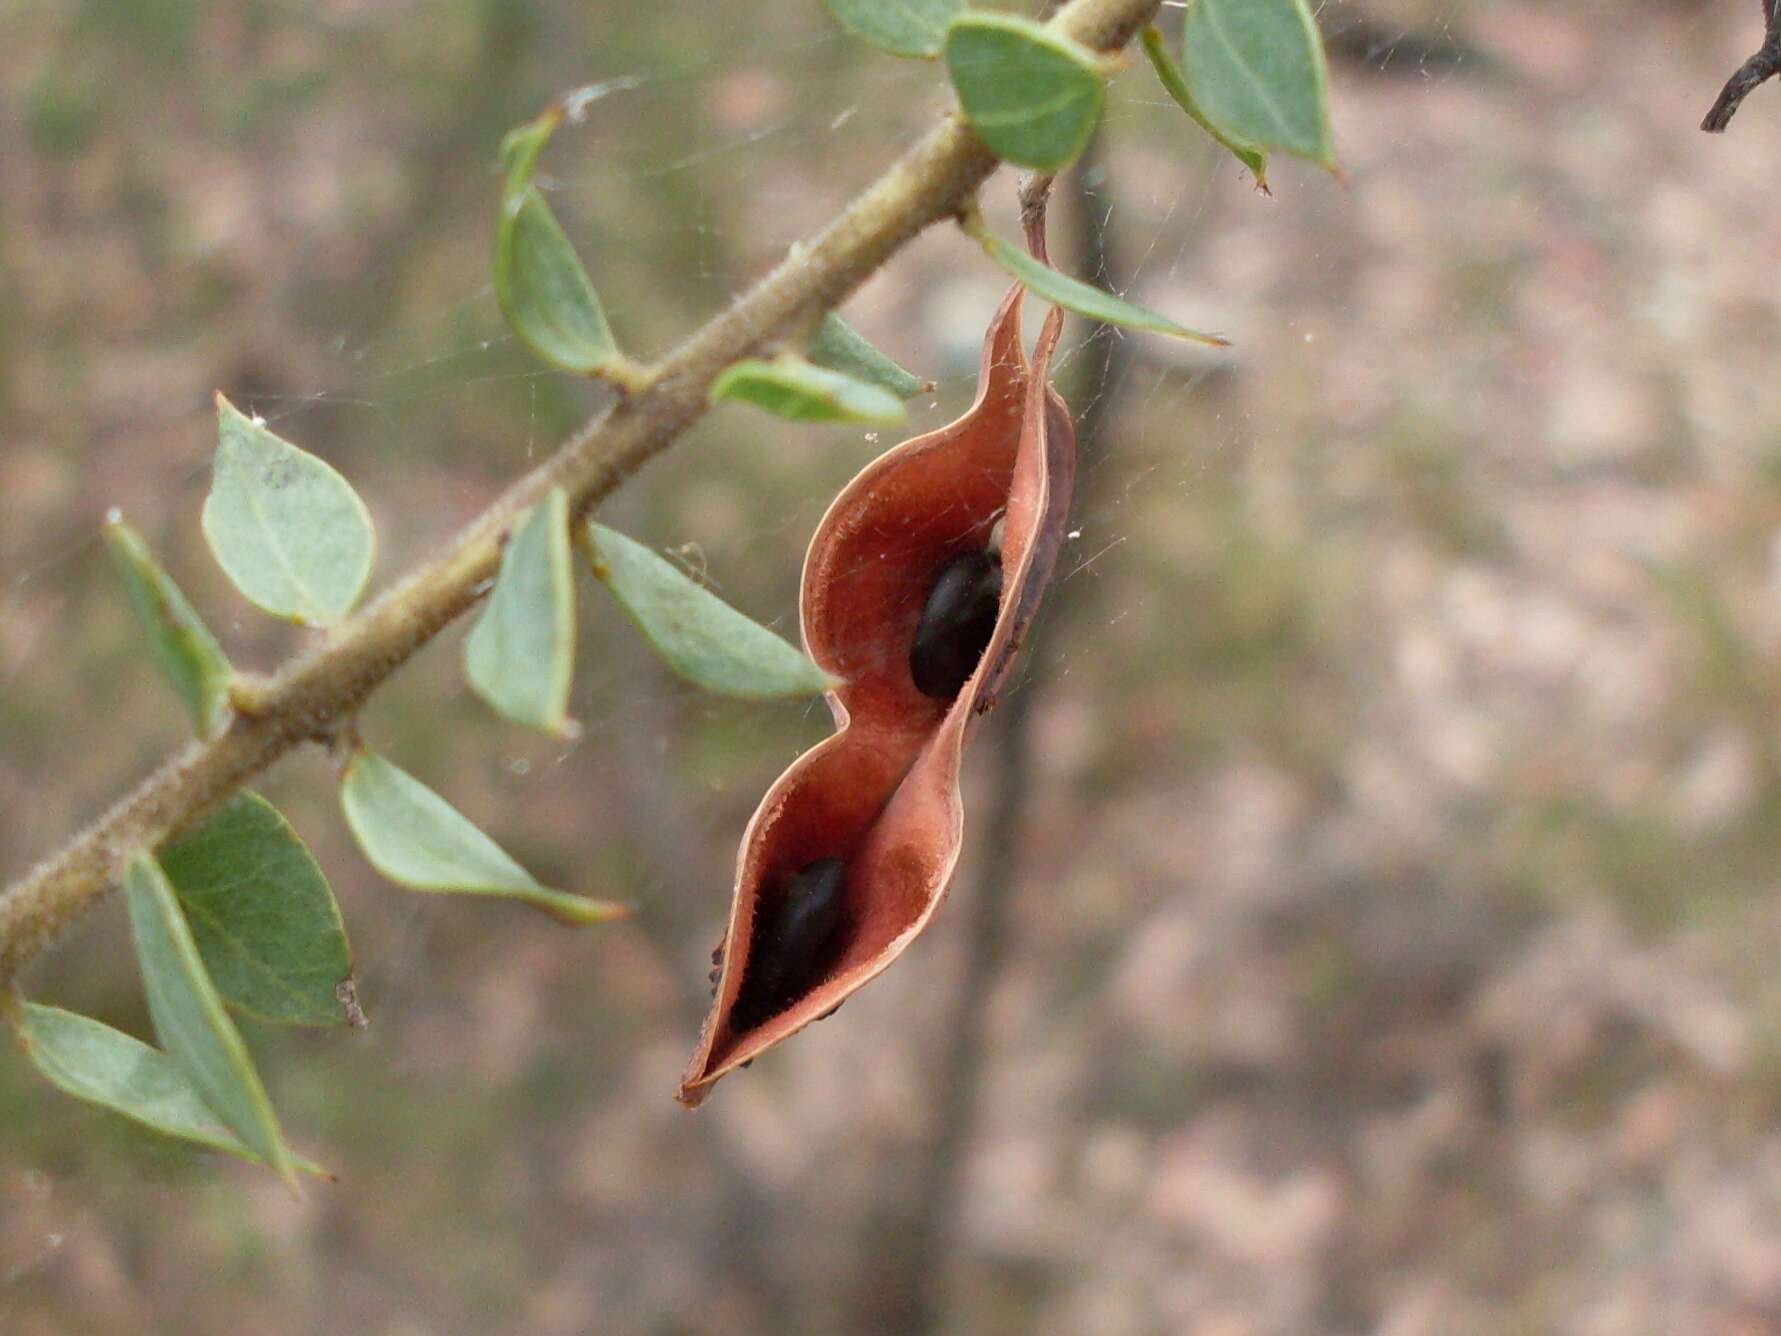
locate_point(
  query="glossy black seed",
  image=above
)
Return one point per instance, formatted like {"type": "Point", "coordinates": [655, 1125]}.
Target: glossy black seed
{"type": "Point", "coordinates": [793, 942]}
{"type": "Point", "coordinates": [956, 623]}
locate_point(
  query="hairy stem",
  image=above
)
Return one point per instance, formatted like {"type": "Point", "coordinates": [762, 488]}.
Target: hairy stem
{"type": "Point", "coordinates": [314, 693]}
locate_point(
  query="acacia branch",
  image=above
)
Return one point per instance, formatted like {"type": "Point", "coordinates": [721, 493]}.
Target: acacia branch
{"type": "Point", "coordinates": [313, 694]}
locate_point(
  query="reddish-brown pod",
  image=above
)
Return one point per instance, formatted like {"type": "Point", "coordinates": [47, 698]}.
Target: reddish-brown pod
{"type": "Point", "coordinates": [852, 849]}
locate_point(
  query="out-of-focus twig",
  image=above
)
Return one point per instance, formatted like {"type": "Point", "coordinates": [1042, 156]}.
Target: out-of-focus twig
{"type": "Point", "coordinates": [1759, 69]}
{"type": "Point", "coordinates": [908, 1290]}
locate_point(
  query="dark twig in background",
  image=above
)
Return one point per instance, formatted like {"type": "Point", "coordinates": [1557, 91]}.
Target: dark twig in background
{"type": "Point", "coordinates": [909, 1291]}
{"type": "Point", "coordinates": [1392, 49]}
{"type": "Point", "coordinates": [1760, 68]}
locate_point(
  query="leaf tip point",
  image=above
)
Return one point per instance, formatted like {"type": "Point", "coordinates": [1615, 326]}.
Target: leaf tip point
{"type": "Point", "coordinates": [592, 913]}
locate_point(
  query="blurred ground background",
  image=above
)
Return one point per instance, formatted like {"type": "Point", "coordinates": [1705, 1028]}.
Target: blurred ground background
{"type": "Point", "coordinates": [1394, 907]}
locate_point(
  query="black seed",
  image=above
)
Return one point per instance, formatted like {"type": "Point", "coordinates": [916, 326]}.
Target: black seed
{"type": "Point", "coordinates": [793, 942]}
{"type": "Point", "coordinates": [956, 623]}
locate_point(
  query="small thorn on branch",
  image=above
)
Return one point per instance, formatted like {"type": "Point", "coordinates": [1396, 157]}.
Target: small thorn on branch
{"type": "Point", "coordinates": [1759, 69]}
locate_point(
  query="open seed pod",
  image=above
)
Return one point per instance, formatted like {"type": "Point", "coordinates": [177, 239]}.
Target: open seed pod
{"type": "Point", "coordinates": [881, 795]}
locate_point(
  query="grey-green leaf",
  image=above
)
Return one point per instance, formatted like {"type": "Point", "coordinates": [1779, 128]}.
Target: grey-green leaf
{"type": "Point", "coordinates": [418, 840]}
{"type": "Point", "coordinates": [1255, 69]}
{"type": "Point", "coordinates": [838, 346]}
{"type": "Point", "coordinates": [546, 295]}
{"type": "Point", "coordinates": [262, 914]}
{"type": "Point", "coordinates": [91, 1061]}
{"type": "Point", "coordinates": [520, 658]}
{"type": "Point", "coordinates": [800, 391]}
{"type": "Point", "coordinates": [901, 27]}
{"type": "Point", "coordinates": [1031, 96]}
{"type": "Point", "coordinates": [182, 645]}
{"type": "Point", "coordinates": [697, 634]}
{"type": "Point", "coordinates": [189, 1017]}
{"type": "Point", "coordinates": [1175, 84]}
{"type": "Point", "coordinates": [1074, 295]}
{"type": "Point", "coordinates": [286, 528]}
{"type": "Point", "coordinates": [544, 292]}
